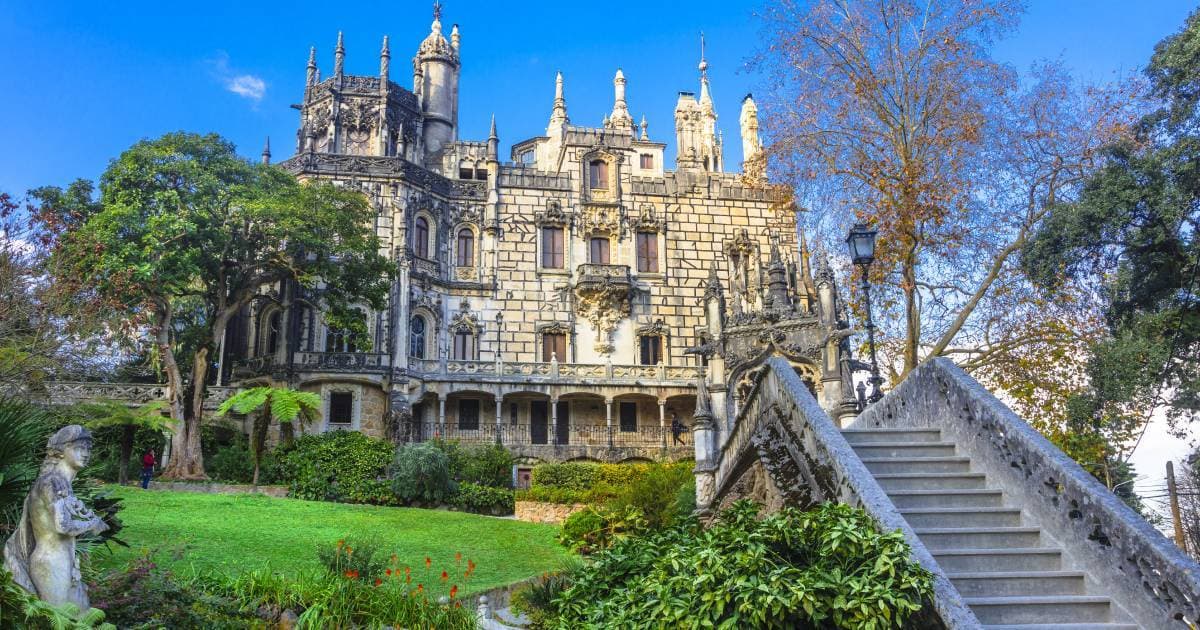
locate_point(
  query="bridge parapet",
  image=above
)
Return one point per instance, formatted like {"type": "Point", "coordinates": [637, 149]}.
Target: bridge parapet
{"type": "Point", "coordinates": [1143, 571]}
{"type": "Point", "coordinates": [783, 431]}
{"type": "Point", "coordinates": [72, 392]}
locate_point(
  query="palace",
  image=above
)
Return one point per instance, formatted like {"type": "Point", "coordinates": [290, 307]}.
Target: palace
{"type": "Point", "coordinates": [565, 302]}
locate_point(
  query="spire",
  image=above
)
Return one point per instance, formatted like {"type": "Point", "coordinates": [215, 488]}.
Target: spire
{"type": "Point", "coordinates": [339, 57]}
{"type": "Point", "coordinates": [620, 118]}
{"type": "Point", "coordinates": [805, 286]}
{"type": "Point", "coordinates": [703, 415]}
{"type": "Point", "coordinates": [266, 154]}
{"type": "Point", "coordinates": [753, 161]}
{"type": "Point", "coordinates": [455, 38]}
{"type": "Point", "coordinates": [704, 95]}
{"type": "Point", "coordinates": [311, 74]}
{"type": "Point", "coordinates": [385, 62]}
{"type": "Point", "coordinates": [558, 116]}
{"type": "Point", "coordinates": [644, 126]}
{"type": "Point", "coordinates": [493, 142]}
{"type": "Point", "coordinates": [492, 132]}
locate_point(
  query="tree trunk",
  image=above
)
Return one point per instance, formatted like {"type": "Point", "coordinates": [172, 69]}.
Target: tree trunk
{"type": "Point", "coordinates": [127, 432]}
{"type": "Point", "coordinates": [187, 461]}
{"type": "Point", "coordinates": [912, 317]}
{"type": "Point", "coordinates": [258, 441]}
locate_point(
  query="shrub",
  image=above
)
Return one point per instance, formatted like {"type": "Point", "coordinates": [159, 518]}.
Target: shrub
{"type": "Point", "coordinates": [142, 595]}
{"type": "Point", "coordinates": [480, 464]}
{"type": "Point", "coordinates": [479, 499]}
{"type": "Point", "coordinates": [23, 432]}
{"type": "Point", "coordinates": [595, 528]}
{"type": "Point", "coordinates": [421, 473]}
{"type": "Point", "coordinates": [567, 475]}
{"type": "Point", "coordinates": [655, 494]}
{"type": "Point", "coordinates": [337, 466]}
{"type": "Point", "coordinates": [20, 610]}
{"type": "Point", "coordinates": [827, 567]}
{"type": "Point", "coordinates": [235, 464]}
{"type": "Point", "coordinates": [357, 557]}
{"type": "Point", "coordinates": [554, 495]}
{"type": "Point", "coordinates": [535, 600]}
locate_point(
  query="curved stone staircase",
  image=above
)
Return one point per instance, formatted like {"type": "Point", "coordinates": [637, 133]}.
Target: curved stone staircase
{"type": "Point", "coordinates": [1008, 570]}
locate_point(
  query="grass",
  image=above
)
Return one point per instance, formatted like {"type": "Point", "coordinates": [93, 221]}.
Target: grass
{"type": "Point", "coordinates": [192, 532]}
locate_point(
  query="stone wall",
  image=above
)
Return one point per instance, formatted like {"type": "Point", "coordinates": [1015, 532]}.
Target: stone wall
{"type": "Point", "coordinates": [539, 512]}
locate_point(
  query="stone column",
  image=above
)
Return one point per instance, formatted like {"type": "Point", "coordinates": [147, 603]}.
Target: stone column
{"type": "Point", "coordinates": [441, 414]}
{"type": "Point", "coordinates": [553, 428]}
{"type": "Point", "coordinates": [662, 421]}
{"type": "Point", "coordinates": [499, 415]}
{"type": "Point", "coordinates": [608, 420]}
{"type": "Point", "coordinates": [703, 437]}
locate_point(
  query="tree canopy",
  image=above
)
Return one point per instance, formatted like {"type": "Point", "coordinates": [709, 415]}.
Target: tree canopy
{"type": "Point", "coordinates": [185, 233]}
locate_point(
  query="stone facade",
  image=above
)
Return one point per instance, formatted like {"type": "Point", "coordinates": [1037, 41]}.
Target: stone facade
{"type": "Point", "coordinates": [570, 296]}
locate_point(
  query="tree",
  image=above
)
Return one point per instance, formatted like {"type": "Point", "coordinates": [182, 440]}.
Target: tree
{"type": "Point", "coordinates": [1132, 236]}
{"type": "Point", "coordinates": [114, 413]}
{"type": "Point", "coordinates": [185, 234]}
{"type": "Point", "coordinates": [270, 403]}
{"type": "Point", "coordinates": [893, 113]}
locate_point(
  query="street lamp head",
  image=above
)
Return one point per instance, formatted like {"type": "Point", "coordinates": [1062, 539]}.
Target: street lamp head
{"type": "Point", "coordinates": [861, 241]}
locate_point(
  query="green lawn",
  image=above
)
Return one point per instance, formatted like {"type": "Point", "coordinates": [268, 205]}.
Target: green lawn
{"type": "Point", "coordinates": [191, 531]}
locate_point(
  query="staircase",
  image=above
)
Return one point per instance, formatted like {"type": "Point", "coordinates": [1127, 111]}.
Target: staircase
{"type": "Point", "coordinates": [1008, 571]}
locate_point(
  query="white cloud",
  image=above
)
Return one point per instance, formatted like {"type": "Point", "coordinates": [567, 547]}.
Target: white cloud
{"type": "Point", "coordinates": [246, 86]}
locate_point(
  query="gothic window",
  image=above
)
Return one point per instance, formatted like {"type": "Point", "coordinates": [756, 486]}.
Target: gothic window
{"type": "Point", "coordinates": [341, 408]}
{"type": "Point", "coordinates": [554, 345]}
{"type": "Point", "coordinates": [598, 174]}
{"type": "Point", "coordinates": [647, 252]}
{"type": "Point", "coordinates": [598, 251]}
{"type": "Point", "coordinates": [527, 157]}
{"type": "Point", "coordinates": [466, 248]}
{"type": "Point", "coordinates": [650, 349]}
{"type": "Point", "coordinates": [647, 161]}
{"type": "Point", "coordinates": [339, 340]}
{"type": "Point", "coordinates": [421, 237]}
{"type": "Point", "coordinates": [416, 337]}
{"type": "Point", "coordinates": [465, 172]}
{"type": "Point", "coordinates": [481, 174]}
{"type": "Point", "coordinates": [552, 247]}
{"type": "Point", "coordinates": [468, 414]}
{"type": "Point", "coordinates": [271, 332]}
{"type": "Point", "coordinates": [464, 346]}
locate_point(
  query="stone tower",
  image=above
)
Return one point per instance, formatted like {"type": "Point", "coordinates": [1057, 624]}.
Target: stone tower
{"type": "Point", "coordinates": [754, 163]}
{"type": "Point", "coordinates": [435, 82]}
{"type": "Point", "coordinates": [696, 126]}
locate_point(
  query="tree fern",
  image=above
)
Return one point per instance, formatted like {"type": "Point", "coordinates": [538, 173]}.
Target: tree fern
{"type": "Point", "coordinates": [281, 404]}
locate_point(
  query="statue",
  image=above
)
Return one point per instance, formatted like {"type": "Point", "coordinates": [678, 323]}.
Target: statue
{"type": "Point", "coordinates": [41, 552]}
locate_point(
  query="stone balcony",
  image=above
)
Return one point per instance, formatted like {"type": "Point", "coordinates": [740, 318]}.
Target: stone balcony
{"type": "Point", "coordinates": [547, 442]}
{"type": "Point", "coordinates": [553, 372]}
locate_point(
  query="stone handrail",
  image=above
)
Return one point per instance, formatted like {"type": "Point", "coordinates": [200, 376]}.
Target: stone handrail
{"type": "Point", "coordinates": [553, 370]}
{"type": "Point", "coordinates": [810, 461]}
{"type": "Point", "coordinates": [71, 392]}
{"type": "Point", "coordinates": [1144, 572]}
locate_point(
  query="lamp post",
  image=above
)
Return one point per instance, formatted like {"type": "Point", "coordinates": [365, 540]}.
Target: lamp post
{"type": "Point", "coordinates": [861, 242]}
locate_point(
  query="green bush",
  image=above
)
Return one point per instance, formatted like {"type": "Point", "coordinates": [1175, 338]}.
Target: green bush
{"type": "Point", "coordinates": [342, 466]}
{"type": "Point", "coordinates": [23, 432]}
{"type": "Point", "coordinates": [479, 499]}
{"type": "Point", "coordinates": [534, 600]}
{"type": "Point", "coordinates": [144, 596]}
{"type": "Point", "coordinates": [421, 474]}
{"type": "Point", "coordinates": [566, 475]}
{"type": "Point", "coordinates": [596, 528]}
{"type": "Point", "coordinates": [825, 568]}
{"type": "Point", "coordinates": [554, 495]}
{"type": "Point", "coordinates": [357, 557]}
{"type": "Point", "coordinates": [480, 464]}
{"type": "Point", "coordinates": [19, 610]}
{"type": "Point", "coordinates": [235, 464]}
{"type": "Point", "coordinates": [655, 494]}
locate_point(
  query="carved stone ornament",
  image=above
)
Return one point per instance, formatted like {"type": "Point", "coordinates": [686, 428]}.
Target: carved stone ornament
{"type": "Point", "coordinates": [656, 328]}
{"type": "Point", "coordinates": [648, 220]}
{"type": "Point", "coordinates": [552, 216]}
{"type": "Point", "coordinates": [464, 320]}
{"type": "Point", "coordinates": [601, 220]}
{"type": "Point", "coordinates": [602, 297]}
{"type": "Point", "coordinates": [554, 328]}
{"type": "Point", "coordinates": [40, 554]}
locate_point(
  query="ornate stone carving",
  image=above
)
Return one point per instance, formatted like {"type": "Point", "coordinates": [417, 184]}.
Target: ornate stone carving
{"type": "Point", "coordinates": [464, 320]}
{"type": "Point", "coordinates": [552, 216]}
{"type": "Point", "coordinates": [41, 552]}
{"type": "Point", "coordinates": [648, 220]}
{"type": "Point", "coordinates": [600, 220]}
{"type": "Point", "coordinates": [602, 295]}
{"type": "Point", "coordinates": [554, 328]}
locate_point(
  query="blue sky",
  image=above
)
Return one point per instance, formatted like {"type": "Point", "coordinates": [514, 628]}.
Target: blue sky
{"type": "Point", "coordinates": [84, 80]}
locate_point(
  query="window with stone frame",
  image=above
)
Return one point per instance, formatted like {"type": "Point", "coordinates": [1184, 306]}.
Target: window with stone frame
{"type": "Point", "coordinates": [271, 332]}
{"type": "Point", "coordinates": [647, 160]}
{"type": "Point", "coordinates": [464, 346]}
{"type": "Point", "coordinates": [552, 248]}
{"type": "Point", "coordinates": [650, 349]}
{"type": "Point", "coordinates": [466, 248]}
{"type": "Point", "coordinates": [647, 252]}
{"type": "Point", "coordinates": [481, 174]}
{"type": "Point", "coordinates": [598, 174]}
{"type": "Point", "coordinates": [468, 414]}
{"type": "Point", "coordinates": [598, 250]}
{"type": "Point", "coordinates": [416, 337]}
{"type": "Point", "coordinates": [341, 408]}
{"type": "Point", "coordinates": [340, 340]}
{"type": "Point", "coordinates": [466, 172]}
{"type": "Point", "coordinates": [421, 237]}
{"type": "Point", "coordinates": [554, 345]}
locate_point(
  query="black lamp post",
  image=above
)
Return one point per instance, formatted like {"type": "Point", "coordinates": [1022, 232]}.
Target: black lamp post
{"type": "Point", "coordinates": [861, 241]}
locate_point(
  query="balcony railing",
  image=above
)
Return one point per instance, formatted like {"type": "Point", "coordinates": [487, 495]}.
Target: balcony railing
{"type": "Point", "coordinates": [547, 434]}
{"type": "Point", "coordinates": [592, 272]}
{"type": "Point", "coordinates": [554, 370]}
{"type": "Point", "coordinates": [343, 361]}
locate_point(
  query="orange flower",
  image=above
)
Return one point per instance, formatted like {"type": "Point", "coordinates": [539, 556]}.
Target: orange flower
{"type": "Point", "coordinates": [467, 574]}
{"type": "Point", "coordinates": [387, 572]}
{"type": "Point", "coordinates": [349, 551]}
{"type": "Point", "coordinates": [453, 591]}
{"type": "Point", "coordinates": [341, 543]}
{"type": "Point", "coordinates": [408, 579]}
{"type": "Point", "coordinates": [458, 604]}
{"type": "Point", "coordinates": [393, 557]}
{"type": "Point", "coordinates": [471, 565]}
{"type": "Point", "coordinates": [458, 557]}
{"type": "Point", "coordinates": [445, 576]}
{"type": "Point", "coordinates": [428, 562]}
{"type": "Point", "coordinates": [378, 581]}
{"type": "Point", "coordinates": [352, 574]}
{"type": "Point", "coordinates": [420, 588]}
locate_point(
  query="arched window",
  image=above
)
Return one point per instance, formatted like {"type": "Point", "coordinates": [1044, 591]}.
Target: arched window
{"type": "Point", "coordinates": [464, 346]}
{"type": "Point", "coordinates": [339, 340]}
{"type": "Point", "coordinates": [598, 174]}
{"type": "Point", "coordinates": [466, 248]}
{"type": "Point", "coordinates": [421, 237]}
{"type": "Point", "coordinates": [416, 337]}
{"type": "Point", "coordinates": [272, 332]}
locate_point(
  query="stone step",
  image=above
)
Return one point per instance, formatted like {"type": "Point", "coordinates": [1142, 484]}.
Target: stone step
{"type": "Point", "coordinates": [931, 481]}
{"type": "Point", "coordinates": [1014, 559]}
{"type": "Point", "coordinates": [962, 517]}
{"type": "Point", "coordinates": [947, 498]}
{"type": "Point", "coordinates": [904, 449]}
{"type": "Point", "coordinates": [1063, 627]}
{"type": "Point", "coordinates": [1054, 609]}
{"type": "Point", "coordinates": [866, 436]}
{"type": "Point", "coordinates": [979, 537]}
{"type": "Point", "coordinates": [1018, 583]}
{"type": "Point", "coordinates": [893, 465]}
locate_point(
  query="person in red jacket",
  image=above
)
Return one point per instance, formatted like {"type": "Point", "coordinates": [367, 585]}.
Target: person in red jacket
{"type": "Point", "coordinates": [147, 468]}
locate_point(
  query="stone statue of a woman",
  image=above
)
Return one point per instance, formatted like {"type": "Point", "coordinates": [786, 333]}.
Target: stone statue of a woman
{"type": "Point", "coordinates": [41, 552]}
